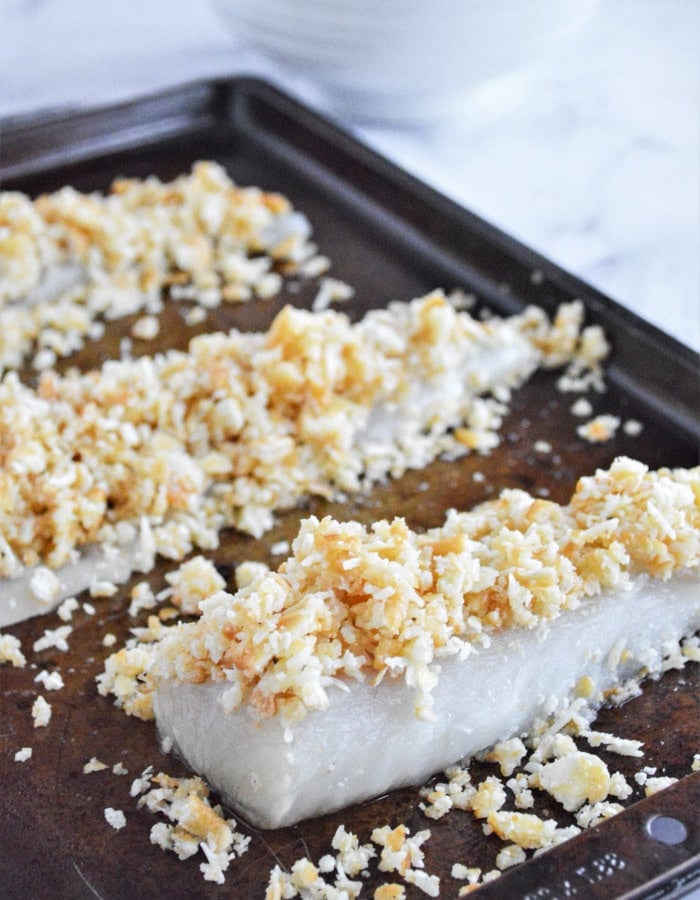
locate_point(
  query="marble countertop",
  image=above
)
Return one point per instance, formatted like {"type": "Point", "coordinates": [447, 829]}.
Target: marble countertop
{"type": "Point", "coordinates": [591, 156]}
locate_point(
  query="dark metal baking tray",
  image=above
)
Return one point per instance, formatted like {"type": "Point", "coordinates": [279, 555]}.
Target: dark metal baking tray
{"type": "Point", "coordinates": [390, 237]}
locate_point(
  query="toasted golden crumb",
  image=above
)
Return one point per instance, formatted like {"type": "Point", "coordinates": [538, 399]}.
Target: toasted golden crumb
{"type": "Point", "coordinates": [524, 829]}
{"type": "Point", "coordinates": [193, 824]}
{"type": "Point", "coordinates": [507, 754]}
{"type": "Point", "coordinates": [390, 892]}
{"type": "Point", "coordinates": [401, 851]}
{"type": "Point", "coordinates": [574, 779]}
{"type": "Point", "coordinates": [304, 874]}
{"type": "Point", "coordinates": [489, 797]}
{"type": "Point", "coordinates": [122, 678]}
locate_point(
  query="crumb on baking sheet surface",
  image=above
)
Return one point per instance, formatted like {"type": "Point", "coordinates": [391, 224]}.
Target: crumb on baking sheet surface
{"type": "Point", "coordinates": [53, 637]}
{"type": "Point", "coordinates": [41, 712]}
{"type": "Point", "coordinates": [67, 608]}
{"type": "Point", "coordinates": [599, 429]}
{"type": "Point", "coordinates": [11, 651]}
{"type": "Point", "coordinates": [115, 818]}
{"type": "Point", "coordinates": [52, 681]}
{"type": "Point", "coordinates": [193, 823]}
{"type": "Point", "coordinates": [146, 328]}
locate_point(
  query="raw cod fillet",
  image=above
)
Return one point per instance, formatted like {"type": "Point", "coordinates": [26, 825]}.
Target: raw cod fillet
{"type": "Point", "coordinates": [373, 658]}
{"type": "Point", "coordinates": [155, 456]}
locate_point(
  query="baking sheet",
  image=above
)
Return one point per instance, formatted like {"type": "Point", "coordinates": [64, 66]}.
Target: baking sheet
{"type": "Point", "coordinates": [390, 237]}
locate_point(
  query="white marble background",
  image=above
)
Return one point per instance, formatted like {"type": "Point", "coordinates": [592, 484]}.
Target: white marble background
{"type": "Point", "coordinates": [592, 156]}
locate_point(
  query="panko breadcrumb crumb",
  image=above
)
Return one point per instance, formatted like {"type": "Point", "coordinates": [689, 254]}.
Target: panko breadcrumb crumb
{"type": "Point", "coordinates": [193, 823]}
{"type": "Point", "coordinates": [11, 651]}
{"type": "Point", "coordinates": [601, 428]}
{"type": "Point", "coordinates": [193, 581]}
{"type": "Point", "coordinates": [52, 681]}
{"type": "Point", "coordinates": [115, 818]}
{"type": "Point", "coordinates": [658, 783]}
{"type": "Point", "coordinates": [41, 712]}
{"type": "Point", "coordinates": [53, 637]}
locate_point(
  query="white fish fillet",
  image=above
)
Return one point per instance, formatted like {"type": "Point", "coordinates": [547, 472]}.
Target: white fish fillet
{"type": "Point", "coordinates": [369, 740]}
{"type": "Point", "coordinates": [349, 444]}
{"type": "Point", "coordinates": [115, 564]}
{"type": "Point", "coordinates": [375, 657]}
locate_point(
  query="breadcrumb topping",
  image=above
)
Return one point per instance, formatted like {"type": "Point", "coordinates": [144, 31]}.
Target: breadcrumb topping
{"type": "Point", "coordinates": [156, 455]}
{"type": "Point", "coordinates": [68, 258]}
{"type": "Point", "coordinates": [353, 602]}
{"type": "Point", "coordinates": [165, 451]}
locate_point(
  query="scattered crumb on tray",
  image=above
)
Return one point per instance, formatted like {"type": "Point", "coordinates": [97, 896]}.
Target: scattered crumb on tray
{"type": "Point", "coordinates": [115, 818]}
{"type": "Point", "coordinates": [601, 428]}
{"type": "Point", "coordinates": [11, 651]}
{"type": "Point", "coordinates": [41, 712]}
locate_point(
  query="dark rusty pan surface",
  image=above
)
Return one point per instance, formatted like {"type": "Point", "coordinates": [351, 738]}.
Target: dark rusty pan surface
{"type": "Point", "coordinates": [390, 237]}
